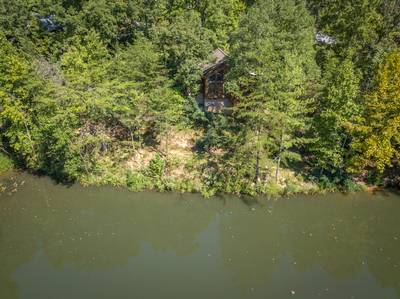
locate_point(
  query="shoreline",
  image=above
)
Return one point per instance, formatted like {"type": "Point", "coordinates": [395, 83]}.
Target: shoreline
{"type": "Point", "coordinates": [12, 175]}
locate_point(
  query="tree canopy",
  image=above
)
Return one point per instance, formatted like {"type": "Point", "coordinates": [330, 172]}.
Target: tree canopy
{"type": "Point", "coordinates": [87, 86]}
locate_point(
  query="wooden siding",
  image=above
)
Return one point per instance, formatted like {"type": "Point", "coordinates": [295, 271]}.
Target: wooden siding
{"type": "Point", "coordinates": [213, 97]}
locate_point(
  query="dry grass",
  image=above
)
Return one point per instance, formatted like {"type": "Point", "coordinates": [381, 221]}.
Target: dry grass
{"type": "Point", "coordinates": [180, 154]}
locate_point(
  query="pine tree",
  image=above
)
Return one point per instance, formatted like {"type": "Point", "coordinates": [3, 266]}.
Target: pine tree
{"type": "Point", "coordinates": [185, 45]}
{"type": "Point", "coordinates": [337, 107]}
{"type": "Point", "coordinates": [272, 64]}
{"type": "Point", "coordinates": [141, 64]}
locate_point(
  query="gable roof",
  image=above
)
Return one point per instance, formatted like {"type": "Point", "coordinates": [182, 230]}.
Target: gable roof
{"type": "Point", "coordinates": [218, 58]}
{"type": "Point", "coordinates": [219, 55]}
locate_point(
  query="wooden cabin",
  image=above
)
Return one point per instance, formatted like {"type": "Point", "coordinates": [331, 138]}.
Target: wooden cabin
{"type": "Point", "coordinates": [213, 97]}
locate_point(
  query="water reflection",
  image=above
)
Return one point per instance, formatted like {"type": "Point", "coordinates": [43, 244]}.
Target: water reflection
{"type": "Point", "coordinates": [86, 229]}
{"type": "Point", "coordinates": [343, 236]}
{"type": "Point", "coordinates": [119, 243]}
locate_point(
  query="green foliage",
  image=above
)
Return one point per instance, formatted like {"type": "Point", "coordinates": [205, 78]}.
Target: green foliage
{"type": "Point", "coordinates": [138, 182]}
{"type": "Point", "coordinates": [229, 174]}
{"type": "Point", "coordinates": [153, 176]}
{"type": "Point", "coordinates": [156, 168]}
{"type": "Point", "coordinates": [140, 63]}
{"type": "Point", "coordinates": [185, 45]}
{"type": "Point", "coordinates": [5, 163]}
{"type": "Point", "coordinates": [352, 23]}
{"type": "Point", "coordinates": [378, 135]}
{"type": "Point", "coordinates": [338, 106]}
{"type": "Point", "coordinates": [85, 62]}
{"type": "Point", "coordinates": [19, 89]}
{"type": "Point", "coordinates": [273, 189]}
{"type": "Point", "coordinates": [20, 23]}
{"type": "Point", "coordinates": [80, 101]}
{"type": "Point", "coordinates": [103, 16]}
{"type": "Point", "coordinates": [272, 67]}
{"type": "Point", "coordinates": [329, 184]}
{"type": "Point", "coordinates": [351, 186]}
{"type": "Point", "coordinates": [219, 16]}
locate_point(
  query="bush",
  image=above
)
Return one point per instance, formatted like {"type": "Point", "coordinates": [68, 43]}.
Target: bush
{"type": "Point", "coordinates": [350, 186]}
{"type": "Point", "coordinates": [272, 189]}
{"type": "Point", "coordinates": [207, 191]}
{"type": "Point", "coordinates": [5, 163]}
{"type": "Point", "coordinates": [292, 187]}
{"type": "Point", "coordinates": [136, 181]}
{"type": "Point", "coordinates": [195, 116]}
{"type": "Point", "coordinates": [375, 178]}
{"type": "Point", "coordinates": [155, 172]}
{"type": "Point", "coordinates": [156, 168]}
{"type": "Point", "coordinates": [327, 184]}
{"type": "Point", "coordinates": [183, 186]}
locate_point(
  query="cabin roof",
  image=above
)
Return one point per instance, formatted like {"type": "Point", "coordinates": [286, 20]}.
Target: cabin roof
{"type": "Point", "coordinates": [219, 55]}
{"type": "Point", "coordinates": [218, 58]}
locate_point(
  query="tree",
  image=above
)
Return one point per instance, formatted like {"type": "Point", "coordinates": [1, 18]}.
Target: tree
{"type": "Point", "coordinates": [89, 103]}
{"type": "Point", "coordinates": [353, 24]}
{"type": "Point", "coordinates": [166, 111]}
{"type": "Point", "coordinates": [185, 46]}
{"type": "Point", "coordinates": [377, 138]}
{"type": "Point", "coordinates": [220, 16]}
{"type": "Point", "coordinates": [20, 21]}
{"type": "Point", "coordinates": [113, 20]}
{"type": "Point", "coordinates": [86, 62]}
{"type": "Point", "coordinates": [358, 29]}
{"type": "Point", "coordinates": [19, 91]}
{"type": "Point", "coordinates": [272, 63]}
{"type": "Point", "coordinates": [141, 64]}
{"type": "Point", "coordinates": [390, 10]}
{"type": "Point", "coordinates": [336, 108]}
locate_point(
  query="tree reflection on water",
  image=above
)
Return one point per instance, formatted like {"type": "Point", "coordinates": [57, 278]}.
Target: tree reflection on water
{"type": "Point", "coordinates": [262, 246]}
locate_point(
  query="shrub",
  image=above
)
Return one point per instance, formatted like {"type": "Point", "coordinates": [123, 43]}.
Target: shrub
{"type": "Point", "coordinates": [136, 181]}
{"type": "Point", "coordinates": [272, 189]}
{"type": "Point", "coordinates": [5, 163]}
{"type": "Point", "coordinates": [156, 168]}
{"type": "Point", "coordinates": [207, 191]}
{"type": "Point", "coordinates": [350, 186]}
{"type": "Point", "coordinates": [185, 185]}
{"type": "Point", "coordinates": [292, 187]}
{"type": "Point", "coordinates": [327, 184]}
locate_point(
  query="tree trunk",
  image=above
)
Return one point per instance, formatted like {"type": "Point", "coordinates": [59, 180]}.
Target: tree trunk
{"type": "Point", "coordinates": [28, 134]}
{"type": "Point", "coordinates": [278, 165]}
{"type": "Point", "coordinates": [166, 155]}
{"type": "Point", "coordinates": [266, 176]}
{"type": "Point", "coordinates": [257, 176]}
{"type": "Point", "coordinates": [132, 140]}
{"type": "Point", "coordinates": [278, 162]}
{"type": "Point", "coordinates": [4, 151]}
{"type": "Point", "coordinates": [257, 166]}
{"type": "Point", "coordinates": [166, 146]}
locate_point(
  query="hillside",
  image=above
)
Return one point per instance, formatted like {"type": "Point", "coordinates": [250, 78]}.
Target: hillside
{"type": "Point", "coordinates": [107, 92]}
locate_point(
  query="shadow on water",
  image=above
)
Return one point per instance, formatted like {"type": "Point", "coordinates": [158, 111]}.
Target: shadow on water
{"type": "Point", "coordinates": [388, 192]}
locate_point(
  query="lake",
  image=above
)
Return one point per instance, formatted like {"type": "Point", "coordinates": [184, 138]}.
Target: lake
{"type": "Point", "coordinates": [61, 241]}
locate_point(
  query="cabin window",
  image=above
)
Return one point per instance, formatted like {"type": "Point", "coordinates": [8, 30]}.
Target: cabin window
{"type": "Point", "coordinates": [217, 77]}
{"type": "Point", "coordinates": [215, 88]}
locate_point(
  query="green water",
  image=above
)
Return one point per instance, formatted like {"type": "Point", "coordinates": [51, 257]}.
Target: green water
{"type": "Point", "coordinates": [73, 242]}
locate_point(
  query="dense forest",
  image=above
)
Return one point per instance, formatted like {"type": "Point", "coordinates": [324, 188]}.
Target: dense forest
{"type": "Point", "coordinates": [103, 92]}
